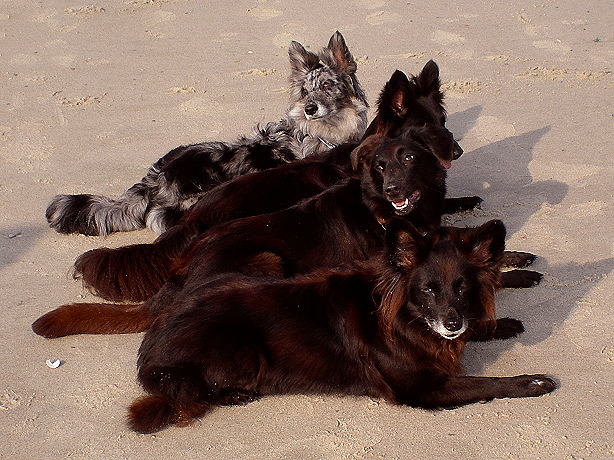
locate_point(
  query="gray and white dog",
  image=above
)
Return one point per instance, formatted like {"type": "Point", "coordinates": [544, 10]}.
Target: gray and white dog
{"type": "Point", "coordinates": [328, 107]}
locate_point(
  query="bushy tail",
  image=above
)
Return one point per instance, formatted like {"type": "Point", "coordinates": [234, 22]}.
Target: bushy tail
{"type": "Point", "coordinates": [91, 318]}
{"type": "Point", "coordinates": [132, 273]}
{"type": "Point", "coordinates": [98, 215]}
{"type": "Point", "coordinates": [149, 414]}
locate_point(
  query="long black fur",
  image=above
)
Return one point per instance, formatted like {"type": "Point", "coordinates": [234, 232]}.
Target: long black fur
{"type": "Point", "coordinates": [393, 328]}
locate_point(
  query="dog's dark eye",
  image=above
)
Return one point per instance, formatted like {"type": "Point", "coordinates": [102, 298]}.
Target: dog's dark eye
{"type": "Point", "coordinates": [327, 84]}
{"type": "Point", "coordinates": [409, 157]}
{"type": "Point", "coordinates": [380, 166]}
{"type": "Point", "coordinates": [428, 290]}
{"type": "Point", "coordinates": [459, 286]}
{"type": "Point", "coordinates": [303, 92]}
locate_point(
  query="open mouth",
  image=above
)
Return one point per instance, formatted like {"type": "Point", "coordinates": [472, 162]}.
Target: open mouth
{"type": "Point", "coordinates": [404, 206]}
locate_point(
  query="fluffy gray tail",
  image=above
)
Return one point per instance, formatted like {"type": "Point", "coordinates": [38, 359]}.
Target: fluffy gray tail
{"type": "Point", "coordinates": [98, 215]}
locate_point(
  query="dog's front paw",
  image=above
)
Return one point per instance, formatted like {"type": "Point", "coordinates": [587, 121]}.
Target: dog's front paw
{"type": "Point", "coordinates": [535, 384]}
{"type": "Point", "coordinates": [520, 279]}
{"type": "Point", "coordinates": [508, 328]}
{"type": "Point", "coordinates": [517, 259]}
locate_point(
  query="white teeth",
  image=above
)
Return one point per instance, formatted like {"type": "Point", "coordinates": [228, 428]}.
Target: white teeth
{"type": "Point", "coordinates": [400, 207]}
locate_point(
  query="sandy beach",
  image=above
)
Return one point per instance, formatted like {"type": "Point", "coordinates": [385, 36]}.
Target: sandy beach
{"type": "Point", "coordinates": [94, 92]}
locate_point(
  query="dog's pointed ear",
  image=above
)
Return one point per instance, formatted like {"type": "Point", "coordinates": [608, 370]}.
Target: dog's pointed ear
{"type": "Point", "coordinates": [301, 60]}
{"type": "Point", "coordinates": [361, 153]}
{"type": "Point", "coordinates": [437, 140]}
{"type": "Point", "coordinates": [429, 77]}
{"type": "Point", "coordinates": [340, 54]}
{"type": "Point", "coordinates": [397, 95]}
{"type": "Point", "coordinates": [406, 244]}
{"type": "Point", "coordinates": [428, 81]}
{"type": "Point", "coordinates": [485, 243]}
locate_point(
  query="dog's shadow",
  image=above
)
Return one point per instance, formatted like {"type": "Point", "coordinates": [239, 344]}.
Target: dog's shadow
{"type": "Point", "coordinates": [542, 309]}
{"type": "Point", "coordinates": [460, 123]}
{"type": "Point", "coordinates": [499, 173]}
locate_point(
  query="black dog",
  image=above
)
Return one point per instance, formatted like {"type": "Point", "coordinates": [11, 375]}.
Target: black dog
{"type": "Point", "coordinates": [404, 104]}
{"type": "Point", "coordinates": [395, 177]}
{"type": "Point", "coordinates": [346, 222]}
{"type": "Point", "coordinates": [391, 328]}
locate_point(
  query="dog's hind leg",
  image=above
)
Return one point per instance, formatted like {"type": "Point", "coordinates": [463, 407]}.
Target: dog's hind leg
{"type": "Point", "coordinates": [91, 318]}
{"type": "Point", "coordinates": [179, 395]}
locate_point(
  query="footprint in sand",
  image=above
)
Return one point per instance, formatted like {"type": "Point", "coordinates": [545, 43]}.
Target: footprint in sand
{"type": "Point", "coordinates": [370, 4]}
{"type": "Point", "coordinates": [163, 16]}
{"type": "Point", "coordinates": [86, 10]}
{"type": "Point", "coordinates": [263, 13]}
{"type": "Point", "coordinates": [552, 45]}
{"type": "Point", "coordinates": [291, 31]}
{"type": "Point", "coordinates": [446, 38]}
{"type": "Point", "coordinates": [182, 90]}
{"type": "Point", "coordinates": [283, 39]}
{"type": "Point", "coordinates": [460, 88]}
{"type": "Point", "coordinates": [263, 72]}
{"type": "Point", "coordinates": [383, 17]}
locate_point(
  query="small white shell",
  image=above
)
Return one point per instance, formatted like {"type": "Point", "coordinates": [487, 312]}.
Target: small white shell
{"type": "Point", "coordinates": [54, 364]}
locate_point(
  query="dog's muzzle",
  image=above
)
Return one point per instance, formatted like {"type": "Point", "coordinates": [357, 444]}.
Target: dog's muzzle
{"type": "Point", "coordinates": [447, 328]}
{"type": "Point", "coordinates": [458, 151]}
{"type": "Point", "coordinates": [405, 206]}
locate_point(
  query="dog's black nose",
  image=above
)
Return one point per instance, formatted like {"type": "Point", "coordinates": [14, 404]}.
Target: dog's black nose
{"type": "Point", "coordinates": [311, 109]}
{"type": "Point", "coordinates": [453, 323]}
{"type": "Point", "coordinates": [391, 189]}
{"type": "Point", "coordinates": [458, 151]}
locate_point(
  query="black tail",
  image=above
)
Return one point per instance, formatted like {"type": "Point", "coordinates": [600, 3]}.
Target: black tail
{"type": "Point", "coordinates": [149, 414]}
{"type": "Point", "coordinates": [132, 273]}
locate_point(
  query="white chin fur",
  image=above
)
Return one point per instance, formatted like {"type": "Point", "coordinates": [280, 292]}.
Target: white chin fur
{"type": "Point", "coordinates": [345, 125]}
{"type": "Point", "coordinates": [438, 327]}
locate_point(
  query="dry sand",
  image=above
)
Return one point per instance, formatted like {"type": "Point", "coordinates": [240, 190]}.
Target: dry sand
{"type": "Point", "coordinates": [93, 93]}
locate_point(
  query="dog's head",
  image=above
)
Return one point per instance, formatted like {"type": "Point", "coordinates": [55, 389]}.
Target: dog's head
{"type": "Point", "coordinates": [327, 100]}
{"type": "Point", "coordinates": [447, 278]}
{"type": "Point", "coordinates": [399, 174]}
{"type": "Point", "coordinates": [406, 103]}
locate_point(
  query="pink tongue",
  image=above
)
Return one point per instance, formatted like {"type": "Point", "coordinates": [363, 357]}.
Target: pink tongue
{"type": "Point", "coordinates": [446, 164]}
{"type": "Point", "coordinates": [399, 204]}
